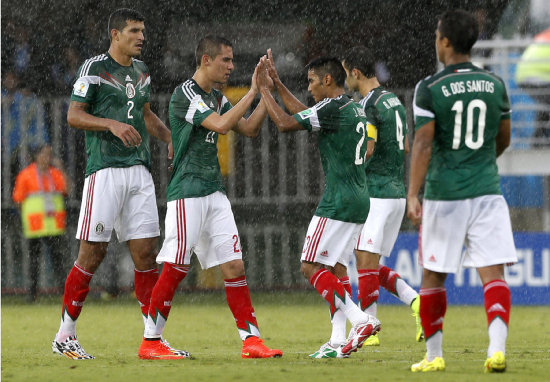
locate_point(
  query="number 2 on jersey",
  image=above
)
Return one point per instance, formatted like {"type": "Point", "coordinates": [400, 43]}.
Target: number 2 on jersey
{"type": "Point", "coordinates": [360, 159]}
{"type": "Point", "coordinates": [458, 107]}
{"type": "Point", "coordinates": [130, 107]}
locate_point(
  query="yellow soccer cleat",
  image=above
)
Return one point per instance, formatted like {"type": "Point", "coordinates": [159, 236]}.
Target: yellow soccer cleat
{"type": "Point", "coordinates": [437, 364]}
{"type": "Point", "coordinates": [415, 306]}
{"type": "Point", "coordinates": [496, 363]}
{"type": "Point", "coordinates": [372, 341]}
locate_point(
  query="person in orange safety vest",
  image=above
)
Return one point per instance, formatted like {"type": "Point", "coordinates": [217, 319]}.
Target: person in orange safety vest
{"type": "Point", "coordinates": [39, 192]}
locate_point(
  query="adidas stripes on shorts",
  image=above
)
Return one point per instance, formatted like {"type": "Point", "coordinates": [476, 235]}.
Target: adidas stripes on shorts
{"type": "Point", "coordinates": [330, 241]}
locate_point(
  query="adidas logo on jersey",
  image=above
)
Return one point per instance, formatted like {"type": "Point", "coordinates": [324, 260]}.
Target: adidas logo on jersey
{"type": "Point", "coordinates": [370, 241]}
{"type": "Point", "coordinates": [432, 259]}
{"type": "Point", "coordinates": [211, 104]}
{"type": "Point", "coordinates": [496, 308]}
{"type": "Point", "coordinates": [324, 253]}
{"type": "Point", "coordinates": [128, 78]}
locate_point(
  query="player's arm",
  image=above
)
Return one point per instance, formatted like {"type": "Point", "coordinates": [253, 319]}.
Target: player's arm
{"type": "Point", "coordinates": [503, 135]}
{"type": "Point", "coordinates": [420, 159]}
{"type": "Point", "coordinates": [282, 120]}
{"type": "Point", "coordinates": [221, 124]}
{"type": "Point", "coordinates": [79, 118]}
{"type": "Point", "coordinates": [157, 128]}
{"type": "Point", "coordinates": [292, 103]}
{"type": "Point", "coordinates": [251, 126]}
{"type": "Point", "coordinates": [407, 148]}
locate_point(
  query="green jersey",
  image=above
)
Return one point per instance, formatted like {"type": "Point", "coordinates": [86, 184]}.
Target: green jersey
{"type": "Point", "coordinates": [343, 136]}
{"type": "Point", "coordinates": [385, 167]}
{"type": "Point", "coordinates": [467, 104]}
{"type": "Point", "coordinates": [196, 170]}
{"type": "Point", "coordinates": [116, 92]}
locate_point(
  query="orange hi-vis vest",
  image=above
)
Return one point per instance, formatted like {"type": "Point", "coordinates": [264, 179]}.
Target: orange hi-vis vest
{"type": "Point", "coordinates": [42, 203]}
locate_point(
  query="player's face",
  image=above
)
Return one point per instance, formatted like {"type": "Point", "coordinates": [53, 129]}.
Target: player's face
{"type": "Point", "coordinates": [315, 87]}
{"type": "Point", "coordinates": [222, 66]}
{"type": "Point", "coordinates": [131, 38]}
{"type": "Point", "coordinates": [351, 81]}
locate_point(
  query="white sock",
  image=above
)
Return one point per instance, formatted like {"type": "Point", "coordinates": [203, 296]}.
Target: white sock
{"type": "Point", "coordinates": [152, 329]}
{"type": "Point", "coordinates": [434, 346]}
{"type": "Point", "coordinates": [67, 328]}
{"type": "Point", "coordinates": [404, 292]}
{"type": "Point", "coordinates": [354, 314]}
{"type": "Point", "coordinates": [339, 321]}
{"type": "Point", "coordinates": [373, 309]}
{"type": "Point", "coordinates": [498, 332]}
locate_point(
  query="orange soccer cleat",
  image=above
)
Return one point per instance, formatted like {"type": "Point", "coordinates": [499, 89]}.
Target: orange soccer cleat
{"type": "Point", "coordinates": [157, 349]}
{"type": "Point", "coordinates": [253, 347]}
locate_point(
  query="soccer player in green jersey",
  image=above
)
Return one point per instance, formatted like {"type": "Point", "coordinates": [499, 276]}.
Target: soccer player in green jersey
{"type": "Point", "coordinates": [462, 122]}
{"type": "Point", "coordinates": [385, 178]}
{"type": "Point", "coordinates": [344, 206]}
{"type": "Point", "coordinates": [110, 102]}
{"type": "Point", "coordinates": [199, 219]}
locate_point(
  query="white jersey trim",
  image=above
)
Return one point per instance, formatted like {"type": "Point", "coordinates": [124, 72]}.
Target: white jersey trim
{"type": "Point", "coordinates": [88, 64]}
{"type": "Point", "coordinates": [417, 110]}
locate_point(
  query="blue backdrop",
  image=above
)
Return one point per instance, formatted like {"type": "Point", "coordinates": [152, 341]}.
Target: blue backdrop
{"type": "Point", "coordinates": [529, 279]}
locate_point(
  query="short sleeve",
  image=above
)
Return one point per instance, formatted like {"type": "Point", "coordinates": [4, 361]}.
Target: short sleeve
{"type": "Point", "coordinates": [308, 119]}
{"type": "Point", "coordinates": [318, 117]}
{"type": "Point", "coordinates": [190, 108]}
{"type": "Point", "coordinates": [85, 85]}
{"type": "Point", "coordinates": [422, 105]}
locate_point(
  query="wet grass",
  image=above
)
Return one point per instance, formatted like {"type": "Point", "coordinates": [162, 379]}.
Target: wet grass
{"type": "Point", "coordinates": [297, 323]}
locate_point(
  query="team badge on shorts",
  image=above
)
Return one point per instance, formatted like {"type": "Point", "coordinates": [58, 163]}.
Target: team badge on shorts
{"type": "Point", "coordinates": [99, 228]}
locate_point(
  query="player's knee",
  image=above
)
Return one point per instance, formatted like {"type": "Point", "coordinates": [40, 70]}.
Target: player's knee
{"type": "Point", "coordinates": [309, 269]}
{"type": "Point", "coordinates": [232, 269]}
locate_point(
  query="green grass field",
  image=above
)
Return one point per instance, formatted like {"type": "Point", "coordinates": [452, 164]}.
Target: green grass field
{"type": "Point", "coordinates": [298, 323]}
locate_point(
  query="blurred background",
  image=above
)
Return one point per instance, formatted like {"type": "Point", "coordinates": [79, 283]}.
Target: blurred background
{"type": "Point", "coordinates": [275, 181]}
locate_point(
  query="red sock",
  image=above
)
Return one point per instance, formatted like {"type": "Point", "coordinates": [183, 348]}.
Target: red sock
{"type": "Point", "coordinates": [433, 305]}
{"type": "Point", "coordinates": [345, 282]}
{"type": "Point", "coordinates": [329, 287]}
{"type": "Point", "coordinates": [368, 287]}
{"type": "Point", "coordinates": [240, 304]}
{"type": "Point", "coordinates": [144, 282]}
{"type": "Point", "coordinates": [165, 288]}
{"type": "Point", "coordinates": [387, 278]}
{"type": "Point", "coordinates": [77, 287]}
{"type": "Point", "coordinates": [497, 301]}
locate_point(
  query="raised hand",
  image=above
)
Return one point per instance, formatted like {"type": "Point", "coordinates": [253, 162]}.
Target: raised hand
{"type": "Point", "coordinates": [271, 66]}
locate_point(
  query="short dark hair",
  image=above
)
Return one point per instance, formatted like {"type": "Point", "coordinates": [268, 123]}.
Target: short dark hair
{"type": "Point", "coordinates": [362, 59]}
{"type": "Point", "coordinates": [461, 28]}
{"type": "Point", "coordinates": [329, 65]}
{"type": "Point", "coordinates": [118, 19]}
{"type": "Point", "coordinates": [210, 45]}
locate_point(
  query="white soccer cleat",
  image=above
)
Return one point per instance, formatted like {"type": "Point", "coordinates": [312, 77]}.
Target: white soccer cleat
{"type": "Point", "coordinates": [328, 351]}
{"type": "Point", "coordinates": [70, 348]}
{"type": "Point", "coordinates": [359, 334]}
